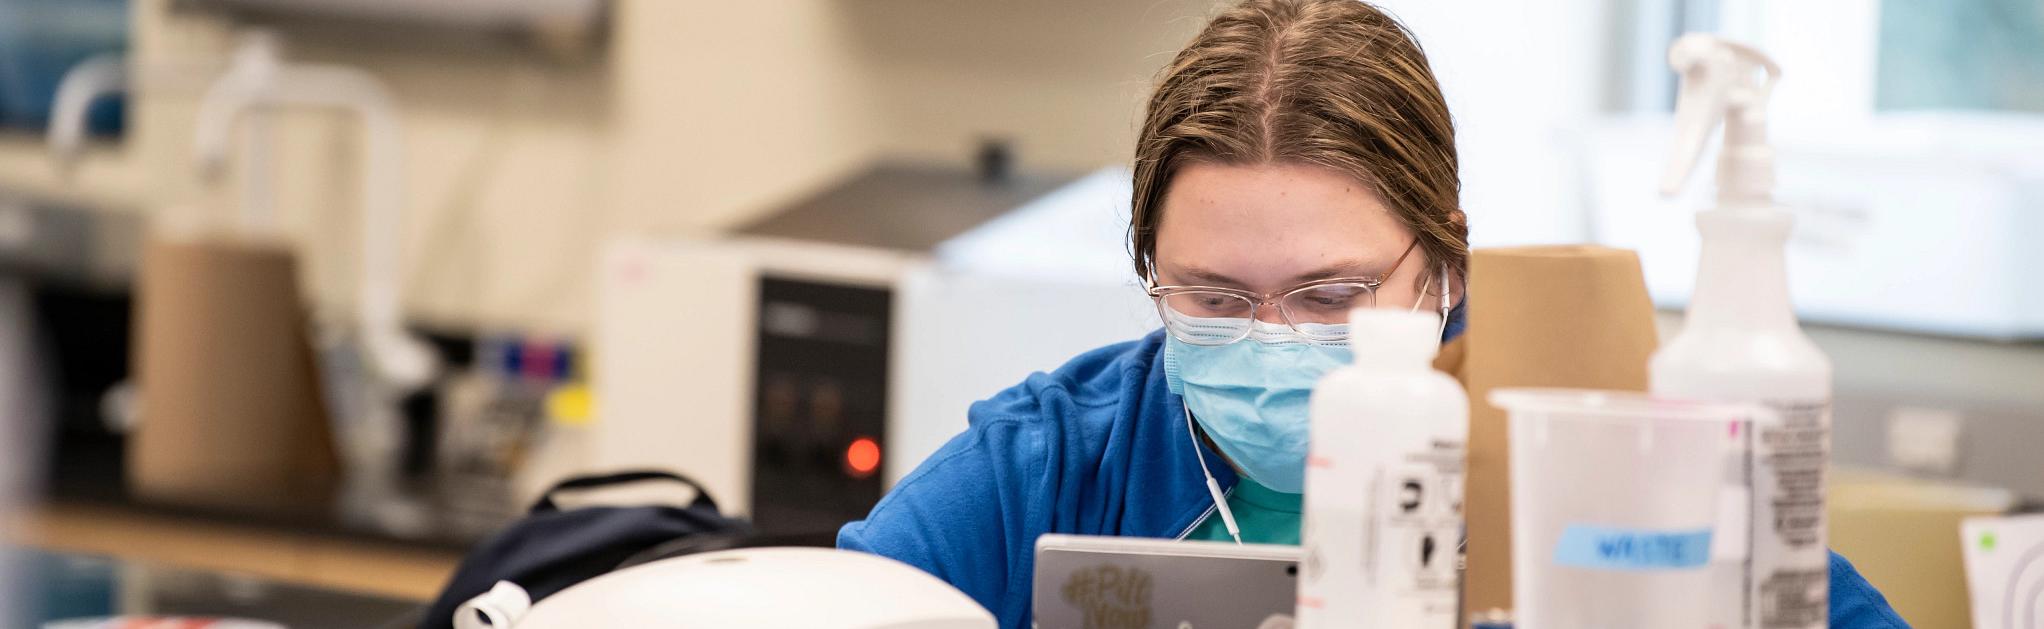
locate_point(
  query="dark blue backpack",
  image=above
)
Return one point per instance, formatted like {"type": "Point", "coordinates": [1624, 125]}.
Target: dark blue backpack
{"type": "Point", "coordinates": [552, 549]}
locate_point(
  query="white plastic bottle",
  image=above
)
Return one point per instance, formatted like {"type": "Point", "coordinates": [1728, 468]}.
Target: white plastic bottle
{"type": "Point", "coordinates": [1382, 529]}
{"type": "Point", "coordinates": [1741, 342]}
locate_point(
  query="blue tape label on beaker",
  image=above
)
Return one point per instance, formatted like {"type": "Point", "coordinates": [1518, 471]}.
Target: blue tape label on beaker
{"type": "Point", "coordinates": [1605, 548]}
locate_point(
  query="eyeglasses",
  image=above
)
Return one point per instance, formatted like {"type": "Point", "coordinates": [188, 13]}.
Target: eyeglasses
{"type": "Point", "coordinates": [1317, 310]}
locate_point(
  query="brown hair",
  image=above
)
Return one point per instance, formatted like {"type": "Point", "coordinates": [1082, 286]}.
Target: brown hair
{"type": "Point", "coordinates": [1333, 83]}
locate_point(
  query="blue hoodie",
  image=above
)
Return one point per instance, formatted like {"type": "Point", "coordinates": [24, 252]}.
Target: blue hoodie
{"type": "Point", "coordinates": [1097, 447]}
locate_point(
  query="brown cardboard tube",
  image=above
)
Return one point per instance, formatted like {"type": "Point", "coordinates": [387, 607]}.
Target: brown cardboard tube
{"type": "Point", "coordinates": [231, 413]}
{"type": "Point", "coordinates": [1559, 316]}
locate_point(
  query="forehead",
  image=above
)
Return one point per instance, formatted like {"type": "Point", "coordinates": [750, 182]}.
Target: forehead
{"type": "Point", "coordinates": [1269, 222]}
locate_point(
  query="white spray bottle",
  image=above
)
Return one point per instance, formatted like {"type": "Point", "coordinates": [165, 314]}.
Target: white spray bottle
{"type": "Point", "coordinates": [1383, 508]}
{"type": "Point", "coordinates": [1741, 342]}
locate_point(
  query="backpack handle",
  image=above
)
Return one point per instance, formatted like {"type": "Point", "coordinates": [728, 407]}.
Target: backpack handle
{"type": "Point", "coordinates": [595, 481]}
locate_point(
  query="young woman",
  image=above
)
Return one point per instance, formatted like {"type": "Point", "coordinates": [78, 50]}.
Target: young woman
{"type": "Point", "coordinates": [1297, 161]}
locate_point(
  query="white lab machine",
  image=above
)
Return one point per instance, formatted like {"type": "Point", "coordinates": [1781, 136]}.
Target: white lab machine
{"type": "Point", "coordinates": [1917, 222]}
{"type": "Point", "coordinates": [750, 587]}
{"type": "Point", "coordinates": [2003, 571]}
{"type": "Point", "coordinates": [802, 365]}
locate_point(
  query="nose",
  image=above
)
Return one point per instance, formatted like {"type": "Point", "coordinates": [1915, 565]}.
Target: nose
{"type": "Point", "coordinates": [1268, 311]}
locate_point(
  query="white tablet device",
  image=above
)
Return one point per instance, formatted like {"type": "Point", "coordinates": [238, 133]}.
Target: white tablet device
{"type": "Point", "coordinates": [1093, 581]}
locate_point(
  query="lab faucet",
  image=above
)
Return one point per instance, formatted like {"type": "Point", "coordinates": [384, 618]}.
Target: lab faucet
{"type": "Point", "coordinates": [256, 81]}
{"type": "Point", "coordinates": [259, 80]}
{"type": "Point", "coordinates": [99, 76]}
{"type": "Point", "coordinates": [109, 74]}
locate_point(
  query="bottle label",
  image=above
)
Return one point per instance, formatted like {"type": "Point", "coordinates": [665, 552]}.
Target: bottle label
{"type": "Point", "coordinates": [1382, 547]}
{"type": "Point", "coordinates": [1419, 549]}
{"type": "Point", "coordinates": [1790, 577]}
{"type": "Point", "coordinates": [1794, 599]}
{"type": "Point", "coordinates": [1606, 548]}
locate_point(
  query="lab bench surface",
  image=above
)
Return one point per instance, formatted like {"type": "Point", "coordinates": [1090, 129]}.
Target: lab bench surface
{"type": "Point", "coordinates": [38, 586]}
{"type": "Point", "coordinates": [402, 541]}
{"type": "Point", "coordinates": [306, 557]}
{"type": "Point", "coordinates": [439, 511]}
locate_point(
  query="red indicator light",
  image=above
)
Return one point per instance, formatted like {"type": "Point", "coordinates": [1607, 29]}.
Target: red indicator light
{"type": "Point", "coordinates": [862, 457]}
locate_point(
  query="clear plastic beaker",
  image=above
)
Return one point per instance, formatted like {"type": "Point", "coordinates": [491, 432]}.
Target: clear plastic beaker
{"type": "Point", "coordinates": [1617, 500]}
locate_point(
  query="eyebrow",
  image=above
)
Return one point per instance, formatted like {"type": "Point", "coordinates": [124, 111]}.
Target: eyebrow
{"type": "Point", "coordinates": [1344, 268]}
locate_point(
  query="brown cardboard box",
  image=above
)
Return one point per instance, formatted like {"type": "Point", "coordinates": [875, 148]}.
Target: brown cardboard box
{"type": "Point", "coordinates": [231, 414]}
{"type": "Point", "coordinates": [1571, 316]}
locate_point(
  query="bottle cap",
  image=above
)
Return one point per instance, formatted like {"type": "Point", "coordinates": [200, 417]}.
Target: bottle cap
{"type": "Point", "coordinates": [1384, 334]}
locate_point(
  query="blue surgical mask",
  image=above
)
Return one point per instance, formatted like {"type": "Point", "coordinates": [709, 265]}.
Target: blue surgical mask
{"type": "Point", "coordinates": [1250, 396]}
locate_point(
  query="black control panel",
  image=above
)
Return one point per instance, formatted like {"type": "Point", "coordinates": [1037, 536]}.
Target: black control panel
{"type": "Point", "coordinates": [820, 404]}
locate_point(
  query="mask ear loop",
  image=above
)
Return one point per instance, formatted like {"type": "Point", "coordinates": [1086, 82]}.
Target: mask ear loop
{"type": "Point", "coordinates": [1213, 488]}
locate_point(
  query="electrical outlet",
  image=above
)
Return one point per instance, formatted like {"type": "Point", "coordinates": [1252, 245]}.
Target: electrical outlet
{"type": "Point", "coordinates": [1925, 439]}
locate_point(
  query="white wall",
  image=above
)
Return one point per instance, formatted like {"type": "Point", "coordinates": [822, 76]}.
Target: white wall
{"type": "Point", "coordinates": [1522, 79]}
{"type": "Point", "coordinates": [698, 116]}
{"type": "Point", "coordinates": [1067, 79]}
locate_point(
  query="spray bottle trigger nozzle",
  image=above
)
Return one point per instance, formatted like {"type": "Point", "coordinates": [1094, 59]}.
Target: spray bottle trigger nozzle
{"type": "Point", "coordinates": [1718, 84]}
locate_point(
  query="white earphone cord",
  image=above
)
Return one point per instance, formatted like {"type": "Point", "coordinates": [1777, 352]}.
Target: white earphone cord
{"type": "Point", "coordinates": [1213, 488]}
{"type": "Point", "coordinates": [1441, 329]}
{"type": "Point", "coordinates": [1446, 292]}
